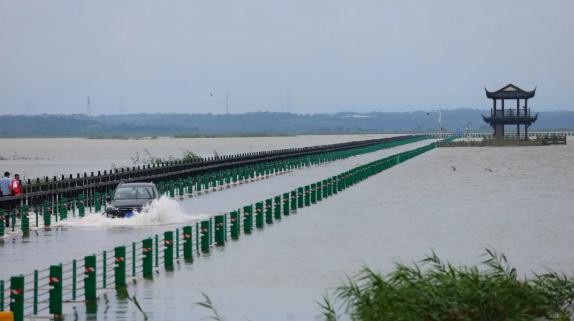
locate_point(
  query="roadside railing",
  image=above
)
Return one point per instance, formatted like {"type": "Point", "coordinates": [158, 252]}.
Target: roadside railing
{"type": "Point", "coordinates": [59, 206]}
{"type": "Point", "coordinates": [37, 191]}
{"type": "Point", "coordinates": [44, 293]}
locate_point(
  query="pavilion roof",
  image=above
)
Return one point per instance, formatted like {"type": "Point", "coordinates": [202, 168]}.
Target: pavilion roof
{"type": "Point", "coordinates": [510, 91]}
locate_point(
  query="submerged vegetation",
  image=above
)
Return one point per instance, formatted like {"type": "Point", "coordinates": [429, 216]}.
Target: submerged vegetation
{"type": "Point", "coordinates": [435, 290]}
{"type": "Point", "coordinates": [147, 158]}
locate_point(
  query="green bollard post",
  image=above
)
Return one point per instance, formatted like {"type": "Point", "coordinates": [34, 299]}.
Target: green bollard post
{"type": "Point", "coordinates": [168, 250]}
{"type": "Point", "coordinates": [247, 219]}
{"type": "Point", "coordinates": [63, 210]}
{"type": "Point", "coordinates": [81, 206]}
{"type": "Point", "coordinates": [259, 215]}
{"type": "Point", "coordinates": [171, 189]}
{"type": "Point", "coordinates": [234, 218]}
{"type": "Point", "coordinates": [293, 200]}
{"type": "Point", "coordinates": [147, 251]}
{"type": "Point", "coordinates": [134, 260]}
{"type": "Point", "coordinates": [73, 206]}
{"type": "Point", "coordinates": [16, 297]}
{"type": "Point", "coordinates": [2, 294]}
{"type": "Point", "coordinates": [277, 207]}
{"type": "Point", "coordinates": [307, 189]}
{"type": "Point", "coordinates": [180, 187]}
{"type": "Point", "coordinates": [177, 245]}
{"type": "Point", "coordinates": [35, 294]}
{"type": "Point", "coordinates": [300, 197]}
{"type": "Point", "coordinates": [269, 211]}
{"type": "Point", "coordinates": [156, 250]}
{"type": "Point", "coordinates": [205, 236]}
{"type": "Point", "coordinates": [220, 230]}
{"type": "Point", "coordinates": [104, 269]}
{"type": "Point", "coordinates": [211, 231]}
{"type": "Point", "coordinates": [313, 193]}
{"type": "Point", "coordinates": [187, 244]}
{"type": "Point", "coordinates": [197, 237]}
{"type": "Point", "coordinates": [25, 220]}
{"type": "Point", "coordinates": [55, 293]}
{"type": "Point", "coordinates": [13, 217]}
{"type": "Point", "coordinates": [319, 194]}
{"type": "Point", "coordinates": [120, 267]}
{"type": "Point", "coordinates": [74, 279]}
{"type": "Point", "coordinates": [97, 202]}
{"type": "Point", "coordinates": [90, 276]}
{"type": "Point", "coordinates": [47, 215]}
{"type": "Point", "coordinates": [286, 204]}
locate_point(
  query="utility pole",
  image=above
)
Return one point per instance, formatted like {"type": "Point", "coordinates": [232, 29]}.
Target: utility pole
{"type": "Point", "coordinates": [467, 131]}
{"type": "Point", "coordinates": [440, 122]}
{"type": "Point", "coordinates": [88, 108]}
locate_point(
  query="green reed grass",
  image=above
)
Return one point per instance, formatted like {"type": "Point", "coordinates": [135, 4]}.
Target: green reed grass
{"type": "Point", "coordinates": [434, 290]}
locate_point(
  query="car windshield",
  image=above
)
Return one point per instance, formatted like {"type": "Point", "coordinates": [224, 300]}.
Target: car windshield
{"type": "Point", "coordinates": [133, 192]}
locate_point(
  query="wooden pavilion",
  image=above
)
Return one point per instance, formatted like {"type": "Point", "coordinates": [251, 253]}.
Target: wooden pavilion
{"type": "Point", "coordinates": [520, 115]}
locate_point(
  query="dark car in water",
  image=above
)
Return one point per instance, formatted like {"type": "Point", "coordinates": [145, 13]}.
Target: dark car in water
{"type": "Point", "coordinates": [131, 197]}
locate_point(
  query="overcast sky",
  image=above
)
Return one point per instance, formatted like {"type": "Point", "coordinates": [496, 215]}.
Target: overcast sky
{"type": "Point", "coordinates": [301, 56]}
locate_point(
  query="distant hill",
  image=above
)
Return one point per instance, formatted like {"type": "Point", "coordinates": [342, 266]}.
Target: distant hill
{"type": "Point", "coordinates": [260, 123]}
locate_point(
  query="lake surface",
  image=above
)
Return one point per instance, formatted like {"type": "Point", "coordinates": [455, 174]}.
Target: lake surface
{"type": "Point", "coordinates": [456, 201]}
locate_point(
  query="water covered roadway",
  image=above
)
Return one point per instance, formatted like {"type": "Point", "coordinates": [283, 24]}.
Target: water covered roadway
{"type": "Point", "coordinates": [77, 237]}
{"type": "Point", "coordinates": [455, 200]}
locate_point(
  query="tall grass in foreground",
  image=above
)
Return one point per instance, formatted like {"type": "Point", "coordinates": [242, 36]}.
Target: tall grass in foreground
{"type": "Point", "coordinates": [435, 290]}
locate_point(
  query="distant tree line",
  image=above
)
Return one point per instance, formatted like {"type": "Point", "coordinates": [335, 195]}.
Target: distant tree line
{"type": "Point", "coordinates": [259, 123]}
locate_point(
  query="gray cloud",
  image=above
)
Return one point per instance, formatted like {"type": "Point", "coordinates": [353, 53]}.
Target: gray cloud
{"type": "Point", "coordinates": [299, 56]}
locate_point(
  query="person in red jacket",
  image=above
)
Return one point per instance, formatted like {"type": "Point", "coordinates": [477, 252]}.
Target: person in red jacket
{"type": "Point", "coordinates": [16, 186]}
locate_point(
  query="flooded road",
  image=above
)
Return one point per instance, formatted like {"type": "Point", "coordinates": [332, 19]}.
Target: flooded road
{"type": "Point", "coordinates": [77, 237]}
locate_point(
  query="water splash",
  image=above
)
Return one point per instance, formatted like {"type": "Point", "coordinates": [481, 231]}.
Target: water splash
{"type": "Point", "coordinates": [163, 211]}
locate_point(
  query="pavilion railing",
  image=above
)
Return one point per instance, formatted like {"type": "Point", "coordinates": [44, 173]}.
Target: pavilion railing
{"type": "Point", "coordinates": [510, 112]}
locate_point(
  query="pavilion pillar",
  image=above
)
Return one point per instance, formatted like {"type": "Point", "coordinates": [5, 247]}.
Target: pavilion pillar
{"type": "Point", "coordinates": [518, 114]}
{"type": "Point", "coordinates": [526, 114]}
{"type": "Point", "coordinates": [501, 126]}
{"type": "Point", "coordinates": [499, 131]}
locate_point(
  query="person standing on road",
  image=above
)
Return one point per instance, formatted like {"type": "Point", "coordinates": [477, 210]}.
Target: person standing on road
{"type": "Point", "coordinates": [6, 191]}
{"type": "Point", "coordinates": [16, 186]}
{"type": "Point", "coordinates": [5, 184]}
